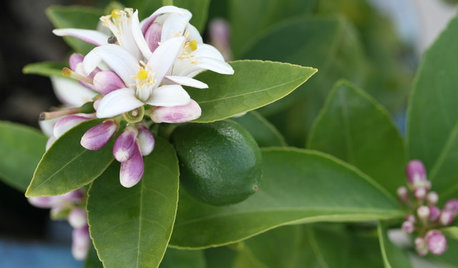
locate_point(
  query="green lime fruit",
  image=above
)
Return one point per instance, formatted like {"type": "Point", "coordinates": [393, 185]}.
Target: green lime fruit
{"type": "Point", "coordinates": [220, 163]}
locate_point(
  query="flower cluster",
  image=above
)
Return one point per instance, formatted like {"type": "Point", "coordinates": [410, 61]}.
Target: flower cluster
{"type": "Point", "coordinates": [134, 78]}
{"type": "Point", "coordinates": [425, 216]}
{"type": "Point", "coordinates": [69, 206]}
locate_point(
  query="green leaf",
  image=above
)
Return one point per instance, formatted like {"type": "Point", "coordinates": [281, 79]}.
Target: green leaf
{"type": "Point", "coordinates": [451, 232]}
{"type": "Point", "coordinates": [250, 18]}
{"type": "Point", "coordinates": [175, 258]}
{"type": "Point", "coordinates": [220, 257]}
{"type": "Point", "coordinates": [92, 260]}
{"type": "Point", "coordinates": [75, 17]}
{"type": "Point", "coordinates": [132, 227]}
{"type": "Point", "coordinates": [298, 186]}
{"type": "Point", "coordinates": [355, 128]}
{"type": "Point", "coordinates": [432, 118]}
{"type": "Point", "coordinates": [22, 148]}
{"type": "Point", "coordinates": [253, 85]}
{"type": "Point", "coordinates": [392, 255]}
{"type": "Point", "coordinates": [265, 134]}
{"type": "Point", "coordinates": [44, 69]}
{"type": "Point", "coordinates": [199, 10]}
{"type": "Point", "coordinates": [67, 166]}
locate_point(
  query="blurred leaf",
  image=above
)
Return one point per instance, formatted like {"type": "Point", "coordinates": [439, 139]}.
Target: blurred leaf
{"type": "Point", "coordinates": [22, 148]}
{"type": "Point", "coordinates": [67, 165]}
{"type": "Point", "coordinates": [265, 134]}
{"type": "Point", "coordinates": [298, 186]}
{"type": "Point", "coordinates": [254, 84]}
{"type": "Point", "coordinates": [355, 128]}
{"type": "Point", "coordinates": [132, 227]}
{"type": "Point", "coordinates": [220, 257]}
{"type": "Point", "coordinates": [451, 232]}
{"type": "Point", "coordinates": [44, 69]}
{"type": "Point", "coordinates": [392, 255]}
{"type": "Point", "coordinates": [92, 260]}
{"type": "Point", "coordinates": [75, 17]}
{"type": "Point", "coordinates": [432, 117]}
{"type": "Point", "coordinates": [199, 10]}
{"type": "Point", "coordinates": [175, 258]}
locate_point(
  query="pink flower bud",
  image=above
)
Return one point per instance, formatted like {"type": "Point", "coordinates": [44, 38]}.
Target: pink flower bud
{"type": "Point", "coordinates": [107, 81]}
{"type": "Point", "coordinates": [68, 122]}
{"type": "Point", "coordinates": [446, 217]}
{"type": "Point", "coordinates": [452, 205]}
{"type": "Point", "coordinates": [74, 60]}
{"type": "Point", "coordinates": [420, 193]}
{"type": "Point", "coordinates": [403, 194]}
{"type": "Point", "coordinates": [408, 227]}
{"type": "Point", "coordinates": [77, 218]}
{"type": "Point", "coordinates": [432, 198]}
{"type": "Point", "coordinates": [153, 36]}
{"type": "Point", "coordinates": [411, 218]}
{"type": "Point", "coordinates": [219, 31]}
{"type": "Point", "coordinates": [416, 173]}
{"type": "Point", "coordinates": [177, 114]}
{"type": "Point", "coordinates": [43, 201]}
{"type": "Point", "coordinates": [125, 144]}
{"type": "Point", "coordinates": [81, 242]}
{"type": "Point", "coordinates": [423, 213]}
{"type": "Point", "coordinates": [98, 136]}
{"type": "Point", "coordinates": [421, 246]}
{"type": "Point", "coordinates": [434, 213]}
{"type": "Point", "coordinates": [145, 140]}
{"type": "Point", "coordinates": [132, 170]}
{"type": "Point", "coordinates": [436, 242]}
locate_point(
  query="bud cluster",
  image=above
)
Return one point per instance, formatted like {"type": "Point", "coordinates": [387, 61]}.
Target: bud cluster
{"type": "Point", "coordinates": [425, 215]}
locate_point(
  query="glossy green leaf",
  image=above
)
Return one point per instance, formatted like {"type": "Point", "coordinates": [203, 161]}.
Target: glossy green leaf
{"type": "Point", "coordinates": [220, 257]}
{"type": "Point", "coordinates": [44, 69]}
{"type": "Point", "coordinates": [75, 17]}
{"type": "Point", "coordinates": [451, 232]}
{"type": "Point", "coordinates": [265, 134]}
{"type": "Point", "coordinates": [254, 84]}
{"type": "Point", "coordinates": [21, 148]}
{"type": "Point", "coordinates": [199, 10]}
{"type": "Point", "coordinates": [132, 227]}
{"type": "Point", "coordinates": [355, 128]}
{"type": "Point", "coordinates": [392, 255]}
{"type": "Point", "coordinates": [92, 260]}
{"type": "Point", "coordinates": [67, 166]}
{"type": "Point", "coordinates": [175, 258]}
{"type": "Point", "coordinates": [298, 186]}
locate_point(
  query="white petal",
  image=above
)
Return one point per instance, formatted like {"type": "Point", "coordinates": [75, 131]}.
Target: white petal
{"type": "Point", "coordinates": [138, 36]}
{"type": "Point", "coordinates": [71, 92]}
{"type": "Point", "coordinates": [91, 36]}
{"type": "Point", "coordinates": [163, 10]}
{"type": "Point", "coordinates": [187, 81]}
{"type": "Point", "coordinates": [194, 34]}
{"type": "Point", "coordinates": [116, 57]}
{"type": "Point", "coordinates": [207, 51]}
{"type": "Point", "coordinates": [169, 95]}
{"type": "Point", "coordinates": [47, 126]}
{"type": "Point", "coordinates": [215, 65]}
{"type": "Point", "coordinates": [164, 56]}
{"type": "Point", "coordinates": [118, 102]}
{"type": "Point", "coordinates": [174, 26]}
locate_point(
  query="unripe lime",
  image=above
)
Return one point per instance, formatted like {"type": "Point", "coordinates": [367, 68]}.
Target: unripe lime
{"type": "Point", "coordinates": [220, 163]}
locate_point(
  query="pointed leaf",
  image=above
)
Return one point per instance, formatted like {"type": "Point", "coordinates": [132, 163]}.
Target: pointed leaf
{"type": "Point", "coordinates": [298, 186]}
{"type": "Point", "coordinates": [44, 69]}
{"type": "Point", "coordinates": [265, 134]}
{"type": "Point", "coordinates": [392, 255]}
{"type": "Point", "coordinates": [131, 227]}
{"type": "Point", "coordinates": [67, 166]}
{"type": "Point", "coordinates": [21, 148]}
{"type": "Point", "coordinates": [254, 84]}
{"type": "Point", "coordinates": [355, 128]}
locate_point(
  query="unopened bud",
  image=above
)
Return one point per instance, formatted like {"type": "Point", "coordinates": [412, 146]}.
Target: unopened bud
{"type": "Point", "coordinates": [132, 170]}
{"type": "Point", "coordinates": [408, 227]}
{"type": "Point", "coordinates": [416, 173]}
{"type": "Point", "coordinates": [420, 193]}
{"type": "Point", "coordinates": [68, 122]}
{"type": "Point", "coordinates": [177, 114]}
{"type": "Point", "coordinates": [77, 218]}
{"type": "Point", "coordinates": [403, 194]}
{"type": "Point", "coordinates": [107, 81]}
{"type": "Point", "coordinates": [432, 198]}
{"type": "Point", "coordinates": [452, 205]}
{"type": "Point", "coordinates": [411, 218]}
{"type": "Point", "coordinates": [98, 136]}
{"type": "Point", "coordinates": [423, 213]}
{"type": "Point", "coordinates": [145, 140]}
{"type": "Point", "coordinates": [434, 213]}
{"type": "Point", "coordinates": [125, 144]}
{"type": "Point", "coordinates": [81, 242]}
{"type": "Point", "coordinates": [421, 246]}
{"type": "Point", "coordinates": [446, 217]}
{"type": "Point", "coordinates": [436, 242]}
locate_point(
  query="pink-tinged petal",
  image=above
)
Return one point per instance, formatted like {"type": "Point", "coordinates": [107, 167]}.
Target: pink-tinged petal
{"type": "Point", "coordinates": [74, 197]}
{"type": "Point", "coordinates": [107, 81]}
{"type": "Point", "coordinates": [118, 102]}
{"type": "Point", "coordinates": [452, 205]}
{"type": "Point", "coordinates": [125, 144]}
{"type": "Point", "coordinates": [446, 217]}
{"type": "Point", "coordinates": [177, 114]}
{"type": "Point", "coordinates": [77, 218]}
{"type": "Point", "coordinates": [187, 81]}
{"type": "Point", "coordinates": [98, 136]}
{"type": "Point", "coordinates": [173, 26]}
{"type": "Point", "coordinates": [403, 193]}
{"type": "Point", "coordinates": [50, 142]}
{"type": "Point", "coordinates": [169, 95]}
{"type": "Point", "coordinates": [132, 170]}
{"type": "Point", "coordinates": [138, 36]}
{"type": "Point", "coordinates": [90, 36]}
{"type": "Point", "coordinates": [408, 227]}
{"type": "Point", "coordinates": [70, 92]}
{"type": "Point", "coordinates": [434, 213]}
{"type": "Point", "coordinates": [436, 242]}
{"type": "Point", "coordinates": [432, 198]}
{"type": "Point", "coordinates": [145, 140]}
{"type": "Point", "coordinates": [116, 57]}
{"type": "Point", "coordinates": [43, 201]}
{"type": "Point", "coordinates": [153, 36]}
{"type": "Point", "coordinates": [416, 172]}
{"type": "Point", "coordinates": [164, 56]}
{"type": "Point", "coordinates": [74, 60]}
{"type": "Point", "coordinates": [81, 242]}
{"type": "Point", "coordinates": [68, 122]}
{"type": "Point", "coordinates": [146, 23]}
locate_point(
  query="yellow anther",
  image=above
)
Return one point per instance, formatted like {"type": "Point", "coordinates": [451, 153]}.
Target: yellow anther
{"type": "Point", "coordinates": [193, 45]}
{"type": "Point", "coordinates": [142, 74]}
{"type": "Point", "coordinates": [116, 13]}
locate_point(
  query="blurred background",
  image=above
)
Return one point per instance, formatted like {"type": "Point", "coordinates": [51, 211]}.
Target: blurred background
{"type": "Point", "coordinates": [393, 34]}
